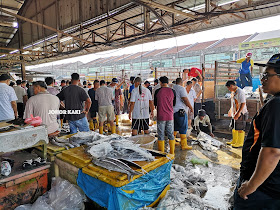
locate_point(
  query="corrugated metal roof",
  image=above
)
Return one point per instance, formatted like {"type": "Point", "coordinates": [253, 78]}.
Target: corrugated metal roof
{"type": "Point", "coordinates": [153, 53]}
{"type": "Point", "coordinates": [266, 35]}
{"type": "Point", "coordinates": [200, 46]}
{"type": "Point", "coordinates": [232, 41]}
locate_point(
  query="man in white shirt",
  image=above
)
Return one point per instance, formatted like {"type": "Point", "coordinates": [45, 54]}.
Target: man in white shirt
{"type": "Point", "coordinates": [22, 98]}
{"type": "Point", "coordinates": [8, 98]}
{"type": "Point", "coordinates": [140, 101]}
{"type": "Point", "coordinates": [180, 113]}
{"type": "Point", "coordinates": [42, 104]}
{"type": "Point", "coordinates": [191, 96]}
{"type": "Point", "coordinates": [239, 114]}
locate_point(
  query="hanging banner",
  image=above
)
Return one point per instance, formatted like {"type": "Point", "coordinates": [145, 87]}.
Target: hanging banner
{"type": "Point", "coordinates": [259, 44]}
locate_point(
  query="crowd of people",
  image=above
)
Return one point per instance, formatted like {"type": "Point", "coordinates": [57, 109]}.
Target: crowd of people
{"type": "Point", "coordinates": [86, 106]}
{"type": "Point", "coordinates": [178, 106]}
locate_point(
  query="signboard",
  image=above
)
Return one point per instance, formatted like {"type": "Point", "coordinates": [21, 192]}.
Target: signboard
{"type": "Point", "coordinates": [259, 44]}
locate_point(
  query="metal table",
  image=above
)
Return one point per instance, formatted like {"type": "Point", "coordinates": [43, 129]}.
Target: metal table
{"type": "Point", "coordinates": [23, 139]}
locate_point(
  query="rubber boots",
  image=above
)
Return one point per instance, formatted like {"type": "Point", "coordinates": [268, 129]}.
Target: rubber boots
{"type": "Point", "coordinates": [101, 129]}
{"type": "Point", "coordinates": [175, 136]}
{"type": "Point", "coordinates": [113, 129]}
{"type": "Point", "coordinates": [95, 124]}
{"type": "Point", "coordinates": [117, 120]}
{"type": "Point", "coordinates": [91, 126]}
{"type": "Point", "coordinates": [184, 143]}
{"type": "Point", "coordinates": [161, 145]}
{"type": "Point", "coordinates": [240, 140]}
{"type": "Point", "coordinates": [172, 146]}
{"type": "Point", "coordinates": [234, 137]}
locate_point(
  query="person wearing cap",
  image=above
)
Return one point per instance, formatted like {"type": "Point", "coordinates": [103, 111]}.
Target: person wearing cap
{"type": "Point", "coordinates": [202, 123]}
{"type": "Point", "coordinates": [22, 98]}
{"type": "Point", "coordinates": [8, 98]}
{"type": "Point", "coordinates": [43, 104]}
{"type": "Point", "coordinates": [77, 105]}
{"type": "Point", "coordinates": [191, 72]}
{"type": "Point", "coordinates": [180, 113]}
{"type": "Point", "coordinates": [118, 98]}
{"type": "Point", "coordinates": [239, 114]}
{"type": "Point", "coordinates": [164, 100]}
{"type": "Point", "coordinates": [258, 186]}
{"type": "Point", "coordinates": [104, 96]}
{"type": "Point", "coordinates": [246, 70]}
{"type": "Point", "coordinates": [147, 85]}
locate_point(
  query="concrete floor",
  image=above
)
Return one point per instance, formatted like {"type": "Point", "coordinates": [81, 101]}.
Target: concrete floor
{"type": "Point", "coordinates": [222, 172]}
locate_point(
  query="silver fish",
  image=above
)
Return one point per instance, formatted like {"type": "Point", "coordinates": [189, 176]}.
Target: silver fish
{"type": "Point", "coordinates": [130, 163]}
{"type": "Point", "coordinates": [111, 166]}
{"type": "Point", "coordinates": [57, 143]}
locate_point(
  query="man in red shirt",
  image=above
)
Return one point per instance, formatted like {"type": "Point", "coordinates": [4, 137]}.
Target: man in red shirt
{"type": "Point", "coordinates": [192, 72]}
{"type": "Point", "coordinates": [164, 100]}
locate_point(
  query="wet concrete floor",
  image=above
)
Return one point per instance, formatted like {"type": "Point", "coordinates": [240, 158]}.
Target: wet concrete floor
{"type": "Point", "coordinates": [220, 175]}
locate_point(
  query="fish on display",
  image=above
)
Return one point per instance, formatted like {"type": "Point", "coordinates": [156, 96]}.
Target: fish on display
{"type": "Point", "coordinates": [114, 166]}
{"type": "Point", "coordinates": [132, 164]}
{"type": "Point", "coordinates": [130, 151]}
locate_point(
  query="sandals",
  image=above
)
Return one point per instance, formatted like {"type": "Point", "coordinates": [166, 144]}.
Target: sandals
{"type": "Point", "coordinates": [27, 164]}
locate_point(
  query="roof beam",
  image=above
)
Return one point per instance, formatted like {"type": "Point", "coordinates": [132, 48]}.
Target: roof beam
{"type": "Point", "coordinates": [168, 9]}
{"type": "Point", "coordinates": [7, 18]}
{"type": "Point", "coordinates": [23, 55]}
{"type": "Point", "coordinates": [9, 7]}
{"type": "Point", "coordinates": [45, 26]}
{"type": "Point", "coordinates": [221, 8]}
{"type": "Point", "coordinates": [10, 61]}
{"type": "Point", "coordinates": [23, 50]}
{"type": "Point", "coordinates": [6, 32]}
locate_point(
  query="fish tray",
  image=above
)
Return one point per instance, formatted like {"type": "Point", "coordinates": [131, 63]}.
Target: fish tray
{"type": "Point", "coordinates": [117, 179]}
{"type": "Point", "coordinates": [145, 141]}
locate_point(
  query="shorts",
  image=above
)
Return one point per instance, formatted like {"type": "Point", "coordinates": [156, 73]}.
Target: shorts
{"type": "Point", "coordinates": [240, 124]}
{"type": "Point", "coordinates": [117, 108]}
{"type": "Point", "coordinates": [106, 112]}
{"type": "Point", "coordinates": [140, 124]}
{"type": "Point", "coordinates": [180, 123]}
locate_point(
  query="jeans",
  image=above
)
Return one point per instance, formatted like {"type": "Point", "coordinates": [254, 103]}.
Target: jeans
{"type": "Point", "coordinates": [244, 78]}
{"type": "Point", "coordinates": [256, 200]}
{"type": "Point", "coordinates": [180, 123]}
{"type": "Point", "coordinates": [167, 126]}
{"type": "Point", "coordinates": [81, 124]}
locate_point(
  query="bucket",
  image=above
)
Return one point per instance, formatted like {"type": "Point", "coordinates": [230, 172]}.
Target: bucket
{"type": "Point", "coordinates": [145, 141]}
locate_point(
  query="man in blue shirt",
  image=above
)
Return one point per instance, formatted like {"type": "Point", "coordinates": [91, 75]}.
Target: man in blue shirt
{"type": "Point", "coordinates": [246, 70]}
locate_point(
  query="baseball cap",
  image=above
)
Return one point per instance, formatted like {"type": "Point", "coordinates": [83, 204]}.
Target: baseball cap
{"type": "Point", "coordinates": [249, 55]}
{"type": "Point", "coordinates": [115, 80]}
{"type": "Point", "coordinates": [202, 113]}
{"type": "Point", "coordinates": [4, 77]}
{"type": "Point", "coordinates": [274, 61]}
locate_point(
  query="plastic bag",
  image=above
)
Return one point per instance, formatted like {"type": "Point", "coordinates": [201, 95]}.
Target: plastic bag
{"type": "Point", "coordinates": [34, 121]}
{"type": "Point", "coordinates": [63, 195]}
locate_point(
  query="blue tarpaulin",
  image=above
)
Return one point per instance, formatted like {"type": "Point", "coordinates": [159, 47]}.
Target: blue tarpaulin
{"type": "Point", "coordinates": [136, 194]}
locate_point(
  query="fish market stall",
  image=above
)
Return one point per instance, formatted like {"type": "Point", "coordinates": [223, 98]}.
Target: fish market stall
{"type": "Point", "coordinates": [24, 176]}
{"type": "Point", "coordinates": [129, 175]}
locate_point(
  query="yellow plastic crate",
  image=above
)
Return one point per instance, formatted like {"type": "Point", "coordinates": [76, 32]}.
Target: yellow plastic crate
{"type": "Point", "coordinates": [118, 179]}
{"type": "Point", "coordinates": [75, 156]}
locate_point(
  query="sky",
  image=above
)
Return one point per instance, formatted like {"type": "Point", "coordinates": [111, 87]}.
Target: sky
{"type": "Point", "coordinates": [251, 27]}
